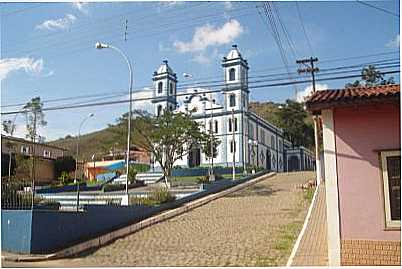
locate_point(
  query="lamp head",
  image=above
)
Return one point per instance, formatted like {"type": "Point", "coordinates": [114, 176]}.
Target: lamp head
{"type": "Point", "coordinates": [91, 115]}
{"type": "Point", "coordinates": [100, 45]}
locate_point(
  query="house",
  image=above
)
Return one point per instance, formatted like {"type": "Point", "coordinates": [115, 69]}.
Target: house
{"type": "Point", "coordinates": [361, 140]}
{"type": "Point", "coordinates": [137, 154]}
{"type": "Point", "coordinates": [45, 156]}
{"type": "Point", "coordinates": [246, 138]}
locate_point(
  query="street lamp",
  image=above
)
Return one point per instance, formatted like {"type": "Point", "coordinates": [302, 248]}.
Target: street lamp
{"type": "Point", "coordinates": [99, 45]}
{"type": "Point", "coordinates": [76, 158]}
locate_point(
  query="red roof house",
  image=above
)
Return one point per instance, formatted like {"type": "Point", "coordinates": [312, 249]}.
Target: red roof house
{"type": "Point", "coordinates": [361, 139]}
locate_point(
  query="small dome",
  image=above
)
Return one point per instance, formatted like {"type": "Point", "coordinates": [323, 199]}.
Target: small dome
{"type": "Point", "coordinates": [234, 53]}
{"type": "Point", "coordinates": [165, 68]}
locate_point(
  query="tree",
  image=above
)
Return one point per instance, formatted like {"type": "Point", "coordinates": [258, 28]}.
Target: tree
{"type": "Point", "coordinates": [64, 164]}
{"type": "Point", "coordinates": [292, 119]}
{"type": "Point", "coordinates": [370, 76]}
{"type": "Point", "coordinates": [9, 128]}
{"type": "Point", "coordinates": [34, 118]}
{"type": "Point", "coordinates": [169, 137]}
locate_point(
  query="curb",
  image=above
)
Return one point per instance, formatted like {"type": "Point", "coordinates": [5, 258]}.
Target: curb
{"type": "Point", "coordinates": [306, 220]}
{"type": "Point", "coordinates": [107, 238]}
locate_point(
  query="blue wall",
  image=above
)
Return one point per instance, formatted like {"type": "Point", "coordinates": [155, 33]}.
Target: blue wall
{"type": "Point", "coordinates": [46, 231]}
{"type": "Point", "coordinates": [16, 230]}
{"type": "Point", "coordinates": [202, 171]}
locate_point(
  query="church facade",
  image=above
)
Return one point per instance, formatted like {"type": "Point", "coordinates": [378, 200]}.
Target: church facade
{"type": "Point", "coordinates": [246, 139]}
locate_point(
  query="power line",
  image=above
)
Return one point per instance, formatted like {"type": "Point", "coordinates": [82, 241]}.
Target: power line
{"type": "Point", "coordinates": [382, 64]}
{"type": "Point", "coordinates": [184, 94]}
{"type": "Point", "coordinates": [304, 29]}
{"type": "Point", "coordinates": [378, 8]}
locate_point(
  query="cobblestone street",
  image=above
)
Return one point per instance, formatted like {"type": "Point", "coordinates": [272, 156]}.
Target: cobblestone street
{"type": "Point", "coordinates": [241, 229]}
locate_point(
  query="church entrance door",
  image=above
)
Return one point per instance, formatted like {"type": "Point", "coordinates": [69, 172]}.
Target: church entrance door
{"type": "Point", "coordinates": [268, 164]}
{"type": "Point", "coordinates": [194, 157]}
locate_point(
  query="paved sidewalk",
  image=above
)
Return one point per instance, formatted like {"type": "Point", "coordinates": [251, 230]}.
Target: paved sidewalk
{"type": "Point", "coordinates": [240, 229]}
{"type": "Point", "coordinates": [313, 249]}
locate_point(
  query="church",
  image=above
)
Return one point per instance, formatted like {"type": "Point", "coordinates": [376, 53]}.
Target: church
{"type": "Point", "coordinates": [246, 139]}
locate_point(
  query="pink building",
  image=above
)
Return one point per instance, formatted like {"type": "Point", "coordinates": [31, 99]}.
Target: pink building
{"type": "Point", "coordinates": [361, 136]}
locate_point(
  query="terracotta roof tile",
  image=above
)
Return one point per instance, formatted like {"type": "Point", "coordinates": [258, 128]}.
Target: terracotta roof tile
{"type": "Point", "coordinates": [351, 96]}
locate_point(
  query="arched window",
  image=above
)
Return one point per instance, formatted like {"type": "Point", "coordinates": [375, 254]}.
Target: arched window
{"type": "Point", "coordinates": [160, 85]}
{"type": "Point", "coordinates": [232, 100]}
{"type": "Point", "coordinates": [273, 142]}
{"type": "Point", "coordinates": [171, 88]}
{"type": "Point", "coordinates": [232, 146]}
{"type": "Point", "coordinates": [159, 110]}
{"type": "Point", "coordinates": [231, 124]}
{"type": "Point", "coordinates": [232, 74]}
{"type": "Point", "coordinates": [216, 126]}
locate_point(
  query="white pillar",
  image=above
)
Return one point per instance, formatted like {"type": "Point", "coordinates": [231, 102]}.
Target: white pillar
{"type": "Point", "coordinates": [331, 189]}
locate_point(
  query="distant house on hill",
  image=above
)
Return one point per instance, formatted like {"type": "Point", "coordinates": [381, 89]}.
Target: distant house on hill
{"type": "Point", "coordinates": [45, 155]}
{"type": "Point", "coordinates": [362, 152]}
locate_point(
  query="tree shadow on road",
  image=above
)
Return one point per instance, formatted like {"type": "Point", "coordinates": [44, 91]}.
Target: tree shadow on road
{"type": "Point", "coordinates": [254, 190]}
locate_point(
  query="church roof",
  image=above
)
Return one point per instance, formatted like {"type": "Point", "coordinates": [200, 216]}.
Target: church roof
{"type": "Point", "coordinates": [234, 53]}
{"type": "Point", "coordinates": [164, 68]}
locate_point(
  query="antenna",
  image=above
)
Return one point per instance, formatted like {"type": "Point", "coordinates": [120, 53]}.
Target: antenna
{"type": "Point", "coordinates": [125, 31]}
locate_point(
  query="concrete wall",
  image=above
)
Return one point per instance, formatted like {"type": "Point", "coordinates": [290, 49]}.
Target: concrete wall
{"type": "Point", "coordinates": [46, 231]}
{"type": "Point", "coordinates": [359, 132]}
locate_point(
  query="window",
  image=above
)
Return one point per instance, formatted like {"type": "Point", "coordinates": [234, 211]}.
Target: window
{"type": "Point", "coordinates": [159, 110]}
{"type": "Point", "coordinates": [46, 153]}
{"type": "Point", "coordinates": [160, 85]}
{"type": "Point", "coordinates": [244, 101]}
{"type": "Point", "coordinates": [391, 173]}
{"type": "Point", "coordinates": [232, 100]}
{"type": "Point", "coordinates": [171, 88]}
{"type": "Point", "coordinates": [216, 126]}
{"type": "Point", "coordinates": [231, 124]}
{"type": "Point", "coordinates": [273, 142]}
{"type": "Point", "coordinates": [232, 146]}
{"type": "Point", "coordinates": [251, 131]}
{"type": "Point", "coordinates": [232, 74]}
{"type": "Point", "coordinates": [24, 149]}
{"type": "Point", "coordinates": [262, 136]}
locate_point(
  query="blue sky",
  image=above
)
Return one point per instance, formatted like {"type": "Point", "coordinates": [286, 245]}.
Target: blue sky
{"type": "Point", "coordinates": [47, 49]}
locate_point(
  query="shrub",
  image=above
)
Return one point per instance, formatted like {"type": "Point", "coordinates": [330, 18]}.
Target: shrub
{"type": "Point", "coordinates": [156, 197]}
{"type": "Point", "coordinates": [120, 187]}
{"type": "Point", "coordinates": [162, 195]}
{"type": "Point", "coordinates": [203, 180]}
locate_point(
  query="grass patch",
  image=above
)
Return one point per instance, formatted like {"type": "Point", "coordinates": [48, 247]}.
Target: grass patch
{"type": "Point", "coordinates": [287, 236]}
{"type": "Point", "coordinates": [266, 261]}
{"type": "Point", "coordinates": [308, 194]}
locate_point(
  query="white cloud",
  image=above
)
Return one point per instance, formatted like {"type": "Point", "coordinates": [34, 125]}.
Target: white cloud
{"type": "Point", "coordinates": [81, 6]}
{"type": "Point", "coordinates": [209, 35]}
{"type": "Point", "coordinates": [204, 57]}
{"type": "Point", "coordinates": [394, 43]}
{"type": "Point", "coordinates": [58, 24]}
{"type": "Point", "coordinates": [302, 95]}
{"type": "Point", "coordinates": [29, 65]}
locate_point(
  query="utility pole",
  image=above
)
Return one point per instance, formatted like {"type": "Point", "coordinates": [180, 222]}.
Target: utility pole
{"type": "Point", "coordinates": [309, 63]}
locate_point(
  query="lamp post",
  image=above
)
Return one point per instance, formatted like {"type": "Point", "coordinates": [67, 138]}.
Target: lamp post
{"type": "Point", "coordinates": [99, 45]}
{"type": "Point", "coordinates": [76, 158]}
